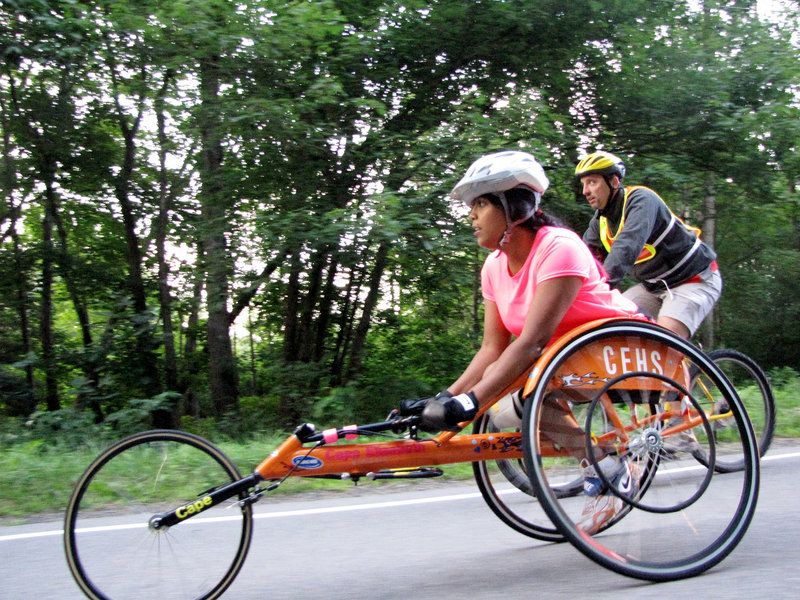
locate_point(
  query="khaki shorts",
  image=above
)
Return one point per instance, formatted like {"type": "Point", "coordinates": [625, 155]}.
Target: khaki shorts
{"type": "Point", "coordinates": [688, 303]}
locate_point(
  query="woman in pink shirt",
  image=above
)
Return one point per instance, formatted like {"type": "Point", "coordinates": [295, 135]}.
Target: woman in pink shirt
{"type": "Point", "coordinates": [539, 282]}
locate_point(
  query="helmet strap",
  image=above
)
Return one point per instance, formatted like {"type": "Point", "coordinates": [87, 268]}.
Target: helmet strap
{"type": "Point", "coordinates": [511, 224]}
{"type": "Point", "coordinates": [608, 179]}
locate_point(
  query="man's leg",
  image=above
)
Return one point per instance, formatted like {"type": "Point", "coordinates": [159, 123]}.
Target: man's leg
{"type": "Point", "coordinates": [674, 326]}
{"type": "Point", "coordinates": [647, 301]}
{"type": "Point", "coordinates": [685, 306]}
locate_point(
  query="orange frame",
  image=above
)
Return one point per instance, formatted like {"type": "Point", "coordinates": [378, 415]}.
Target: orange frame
{"type": "Point", "coordinates": [293, 458]}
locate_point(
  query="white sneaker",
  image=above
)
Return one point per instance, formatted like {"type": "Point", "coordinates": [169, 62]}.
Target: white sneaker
{"type": "Point", "coordinates": [600, 507]}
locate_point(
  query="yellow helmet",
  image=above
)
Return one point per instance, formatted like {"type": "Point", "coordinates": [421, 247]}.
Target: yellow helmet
{"type": "Point", "coordinates": [601, 163]}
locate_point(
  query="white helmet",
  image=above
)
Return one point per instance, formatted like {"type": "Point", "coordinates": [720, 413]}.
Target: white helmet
{"type": "Point", "coordinates": [500, 172]}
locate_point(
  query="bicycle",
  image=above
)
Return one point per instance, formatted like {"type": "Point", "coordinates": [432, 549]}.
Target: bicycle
{"type": "Point", "coordinates": [753, 388]}
{"type": "Point", "coordinates": [624, 382]}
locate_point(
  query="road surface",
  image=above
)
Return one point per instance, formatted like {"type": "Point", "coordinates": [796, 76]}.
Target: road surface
{"type": "Point", "coordinates": [439, 540]}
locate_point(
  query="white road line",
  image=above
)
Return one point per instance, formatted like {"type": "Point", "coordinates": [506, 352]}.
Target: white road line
{"type": "Point", "coordinates": [320, 511]}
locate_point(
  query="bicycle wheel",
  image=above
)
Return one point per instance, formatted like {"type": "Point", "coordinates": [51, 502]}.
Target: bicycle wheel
{"type": "Point", "coordinates": [753, 388]}
{"type": "Point", "coordinates": [507, 489]}
{"type": "Point", "coordinates": [114, 554]}
{"type": "Point", "coordinates": [673, 517]}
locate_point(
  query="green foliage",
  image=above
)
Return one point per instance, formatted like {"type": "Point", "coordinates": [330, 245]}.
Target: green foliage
{"type": "Point", "coordinates": [68, 426]}
{"type": "Point", "coordinates": [765, 283]}
{"type": "Point", "coordinates": [339, 128]}
{"type": "Point", "coordinates": [260, 414]}
{"type": "Point", "coordinates": [786, 387]}
{"type": "Point", "coordinates": [340, 405]}
{"type": "Point", "coordinates": [138, 413]}
{"type": "Point", "coordinates": [75, 428]}
{"type": "Point", "coordinates": [15, 396]}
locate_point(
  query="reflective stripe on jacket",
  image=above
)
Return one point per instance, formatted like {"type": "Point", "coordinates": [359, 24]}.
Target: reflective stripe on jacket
{"type": "Point", "coordinates": [649, 250]}
{"type": "Point", "coordinates": [656, 246]}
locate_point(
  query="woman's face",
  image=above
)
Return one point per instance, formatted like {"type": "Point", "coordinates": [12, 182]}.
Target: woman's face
{"type": "Point", "coordinates": [488, 223]}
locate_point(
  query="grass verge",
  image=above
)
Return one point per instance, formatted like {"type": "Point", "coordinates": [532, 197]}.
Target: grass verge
{"type": "Point", "coordinates": [37, 476]}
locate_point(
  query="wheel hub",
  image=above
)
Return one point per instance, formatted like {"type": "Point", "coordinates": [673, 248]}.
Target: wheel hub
{"type": "Point", "coordinates": [649, 441]}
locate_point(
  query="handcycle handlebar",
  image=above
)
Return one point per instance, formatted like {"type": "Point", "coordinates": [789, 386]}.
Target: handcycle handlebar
{"type": "Point", "coordinates": [307, 433]}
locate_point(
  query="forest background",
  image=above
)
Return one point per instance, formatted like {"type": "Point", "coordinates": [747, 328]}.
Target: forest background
{"type": "Point", "coordinates": [230, 217]}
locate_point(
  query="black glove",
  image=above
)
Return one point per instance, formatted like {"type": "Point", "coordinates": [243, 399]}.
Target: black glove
{"type": "Point", "coordinates": [444, 414]}
{"type": "Point", "coordinates": [414, 406]}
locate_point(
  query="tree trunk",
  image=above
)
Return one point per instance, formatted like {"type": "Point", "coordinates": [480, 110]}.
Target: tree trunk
{"type": "Point", "coordinates": [223, 381]}
{"type": "Point", "coordinates": [191, 357]}
{"type": "Point", "coordinates": [290, 323]}
{"type": "Point", "coordinates": [164, 294]}
{"type": "Point", "coordinates": [360, 337]}
{"type": "Point", "coordinates": [29, 405]}
{"type": "Point", "coordinates": [325, 310]}
{"type": "Point", "coordinates": [346, 319]}
{"type": "Point", "coordinates": [7, 180]}
{"type": "Point", "coordinates": [46, 316]}
{"type": "Point", "coordinates": [146, 364]}
{"type": "Point", "coordinates": [307, 335]}
{"type": "Point", "coordinates": [62, 258]}
{"type": "Point", "coordinates": [709, 228]}
{"type": "Point", "coordinates": [290, 404]}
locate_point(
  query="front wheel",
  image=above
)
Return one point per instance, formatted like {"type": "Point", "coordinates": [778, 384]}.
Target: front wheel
{"type": "Point", "coordinates": [114, 553]}
{"type": "Point", "coordinates": [506, 488]}
{"type": "Point", "coordinates": [753, 388]}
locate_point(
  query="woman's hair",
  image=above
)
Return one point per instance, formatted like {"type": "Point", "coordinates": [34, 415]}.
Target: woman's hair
{"type": "Point", "coordinates": [520, 200]}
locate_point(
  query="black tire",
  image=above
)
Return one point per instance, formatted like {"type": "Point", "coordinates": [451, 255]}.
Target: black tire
{"type": "Point", "coordinates": [754, 390]}
{"type": "Point", "coordinates": [682, 521]}
{"type": "Point", "coordinates": [114, 554]}
{"type": "Point", "coordinates": [507, 489]}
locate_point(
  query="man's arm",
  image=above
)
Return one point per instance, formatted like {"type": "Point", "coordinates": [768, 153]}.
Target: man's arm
{"type": "Point", "coordinates": [640, 218]}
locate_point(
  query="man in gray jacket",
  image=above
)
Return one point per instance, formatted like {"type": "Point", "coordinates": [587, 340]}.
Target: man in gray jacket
{"type": "Point", "coordinates": [634, 232]}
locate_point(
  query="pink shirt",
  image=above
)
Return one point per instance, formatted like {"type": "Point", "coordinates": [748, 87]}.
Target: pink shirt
{"type": "Point", "coordinates": [556, 252]}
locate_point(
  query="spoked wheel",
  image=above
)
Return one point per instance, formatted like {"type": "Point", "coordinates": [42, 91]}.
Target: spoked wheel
{"type": "Point", "coordinates": [661, 516]}
{"type": "Point", "coordinates": [112, 551]}
{"type": "Point", "coordinates": [507, 489]}
{"type": "Point", "coordinates": [626, 418]}
{"type": "Point", "coordinates": [753, 388]}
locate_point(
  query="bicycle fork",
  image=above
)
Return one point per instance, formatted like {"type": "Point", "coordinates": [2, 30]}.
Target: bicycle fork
{"type": "Point", "coordinates": [205, 500]}
{"type": "Point", "coordinates": [214, 496]}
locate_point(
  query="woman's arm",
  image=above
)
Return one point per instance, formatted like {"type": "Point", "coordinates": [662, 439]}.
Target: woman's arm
{"type": "Point", "coordinates": [550, 303]}
{"type": "Point", "coordinates": [496, 338]}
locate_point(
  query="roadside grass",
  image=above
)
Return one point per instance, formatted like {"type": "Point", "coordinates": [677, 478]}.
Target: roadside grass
{"type": "Point", "coordinates": [786, 387]}
{"type": "Point", "coordinates": [37, 476]}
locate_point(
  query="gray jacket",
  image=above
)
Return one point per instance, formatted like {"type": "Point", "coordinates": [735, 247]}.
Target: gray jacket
{"type": "Point", "coordinates": [679, 253]}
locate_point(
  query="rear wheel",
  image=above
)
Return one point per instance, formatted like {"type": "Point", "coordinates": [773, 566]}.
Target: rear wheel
{"type": "Point", "coordinates": [672, 517]}
{"type": "Point", "coordinates": [114, 553]}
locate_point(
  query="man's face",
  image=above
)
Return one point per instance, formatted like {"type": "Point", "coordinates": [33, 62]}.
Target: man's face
{"type": "Point", "coordinates": [596, 190]}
